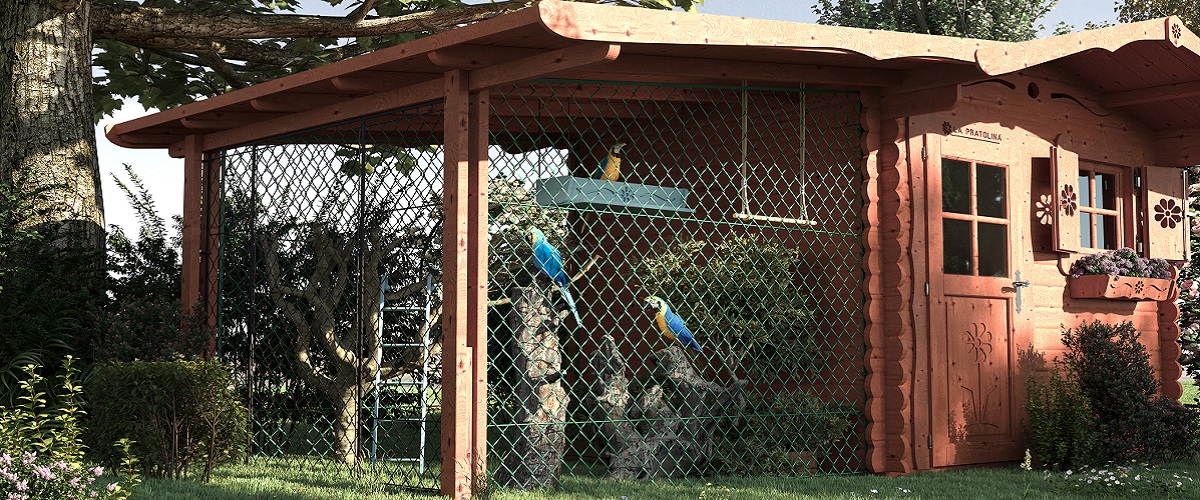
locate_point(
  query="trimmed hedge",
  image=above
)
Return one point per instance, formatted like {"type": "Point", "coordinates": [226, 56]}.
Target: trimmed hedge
{"type": "Point", "coordinates": [180, 414]}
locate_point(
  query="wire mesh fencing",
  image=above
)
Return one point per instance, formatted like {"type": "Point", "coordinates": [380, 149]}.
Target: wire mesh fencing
{"type": "Point", "coordinates": [675, 282]}
{"type": "Point", "coordinates": [674, 286]}
{"type": "Point", "coordinates": [330, 273]}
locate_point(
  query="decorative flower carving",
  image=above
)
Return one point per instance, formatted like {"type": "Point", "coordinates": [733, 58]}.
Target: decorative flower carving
{"type": "Point", "coordinates": [1068, 200]}
{"type": "Point", "coordinates": [1139, 287]}
{"type": "Point", "coordinates": [980, 342]}
{"type": "Point", "coordinates": [1045, 209]}
{"type": "Point", "coordinates": [1167, 213]}
{"type": "Point", "coordinates": [947, 128]}
{"type": "Point", "coordinates": [1176, 31]}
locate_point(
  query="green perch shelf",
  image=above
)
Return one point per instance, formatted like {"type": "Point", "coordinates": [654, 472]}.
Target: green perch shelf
{"type": "Point", "coordinates": [582, 192]}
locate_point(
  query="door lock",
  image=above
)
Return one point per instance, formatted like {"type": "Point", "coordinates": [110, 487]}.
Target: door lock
{"type": "Point", "coordinates": [1018, 283]}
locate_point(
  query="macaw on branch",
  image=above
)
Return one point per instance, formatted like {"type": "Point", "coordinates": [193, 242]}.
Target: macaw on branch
{"type": "Point", "coordinates": [670, 324]}
{"type": "Point", "coordinates": [610, 167]}
{"type": "Point", "coordinates": [549, 262]}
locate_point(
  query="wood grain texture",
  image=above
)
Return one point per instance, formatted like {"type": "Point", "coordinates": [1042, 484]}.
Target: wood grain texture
{"type": "Point", "coordinates": [998, 60]}
{"type": "Point", "coordinates": [477, 279]}
{"type": "Point", "coordinates": [874, 333]}
{"type": "Point", "coordinates": [598, 23]}
{"type": "Point", "coordinates": [457, 387]}
{"type": "Point", "coordinates": [193, 183]}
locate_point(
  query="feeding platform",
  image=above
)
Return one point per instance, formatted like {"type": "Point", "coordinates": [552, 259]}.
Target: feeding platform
{"type": "Point", "coordinates": [597, 194]}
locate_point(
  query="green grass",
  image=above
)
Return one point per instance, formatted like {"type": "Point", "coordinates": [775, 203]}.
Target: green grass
{"type": "Point", "coordinates": [1190, 393]}
{"type": "Point", "coordinates": [299, 483]}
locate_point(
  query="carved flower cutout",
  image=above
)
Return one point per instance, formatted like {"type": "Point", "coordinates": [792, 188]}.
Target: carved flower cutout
{"type": "Point", "coordinates": [1139, 287]}
{"type": "Point", "coordinates": [980, 342]}
{"type": "Point", "coordinates": [1045, 209]}
{"type": "Point", "coordinates": [1068, 200]}
{"type": "Point", "coordinates": [1167, 213]}
{"type": "Point", "coordinates": [947, 128]}
{"type": "Point", "coordinates": [1176, 31]}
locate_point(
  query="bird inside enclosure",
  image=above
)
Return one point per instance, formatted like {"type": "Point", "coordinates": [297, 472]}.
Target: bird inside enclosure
{"type": "Point", "coordinates": [609, 168]}
{"type": "Point", "coordinates": [670, 324]}
{"type": "Point", "coordinates": [549, 262]}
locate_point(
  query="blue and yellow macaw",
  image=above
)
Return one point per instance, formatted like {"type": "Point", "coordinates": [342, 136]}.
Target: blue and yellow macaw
{"type": "Point", "coordinates": [610, 168]}
{"type": "Point", "coordinates": [550, 262]}
{"type": "Point", "coordinates": [670, 324]}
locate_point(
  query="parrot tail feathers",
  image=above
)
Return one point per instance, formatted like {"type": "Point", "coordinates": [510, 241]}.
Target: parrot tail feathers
{"type": "Point", "coordinates": [692, 344]}
{"type": "Point", "coordinates": [571, 304]}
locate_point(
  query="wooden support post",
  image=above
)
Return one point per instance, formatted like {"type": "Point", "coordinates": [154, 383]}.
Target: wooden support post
{"type": "Point", "coordinates": [477, 280]}
{"type": "Point", "coordinates": [457, 398]}
{"type": "Point", "coordinates": [193, 181]}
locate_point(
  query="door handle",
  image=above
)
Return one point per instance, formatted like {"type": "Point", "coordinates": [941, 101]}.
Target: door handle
{"type": "Point", "coordinates": [1018, 283]}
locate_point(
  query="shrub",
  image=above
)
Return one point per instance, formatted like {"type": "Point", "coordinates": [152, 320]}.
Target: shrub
{"type": "Point", "coordinates": [787, 434]}
{"type": "Point", "coordinates": [1114, 371]}
{"type": "Point", "coordinates": [1060, 428]}
{"type": "Point", "coordinates": [41, 454]}
{"type": "Point", "coordinates": [181, 414]}
{"type": "Point", "coordinates": [743, 300]}
{"type": "Point", "coordinates": [1122, 262]}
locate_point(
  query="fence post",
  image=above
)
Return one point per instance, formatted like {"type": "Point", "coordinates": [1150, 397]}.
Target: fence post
{"type": "Point", "coordinates": [457, 372]}
{"type": "Point", "coordinates": [193, 183]}
{"type": "Point", "coordinates": [477, 281]}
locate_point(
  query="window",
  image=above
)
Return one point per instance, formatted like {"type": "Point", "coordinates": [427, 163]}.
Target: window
{"type": "Point", "coordinates": [974, 218]}
{"type": "Point", "coordinates": [1100, 201]}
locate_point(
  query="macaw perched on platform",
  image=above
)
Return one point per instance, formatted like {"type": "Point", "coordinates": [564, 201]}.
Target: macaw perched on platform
{"type": "Point", "coordinates": [670, 324]}
{"type": "Point", "coordinates": [610, 168]}
{"type": "Point", "coordinates": [550, 263]}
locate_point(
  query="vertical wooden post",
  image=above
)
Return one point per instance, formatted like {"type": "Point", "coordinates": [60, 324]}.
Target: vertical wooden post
{"type": "Point", "coordinates": [457, 373]}
{"type": "Point", "coordinates": [193, 181]}
{"type": "Point", "coordinates": [477, 280]}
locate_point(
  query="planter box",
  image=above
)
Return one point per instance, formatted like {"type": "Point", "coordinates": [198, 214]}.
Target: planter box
{"type": "Point", "coordinates": [1103, 286]}
{"type": "Point", "coordinates": [596, 194]}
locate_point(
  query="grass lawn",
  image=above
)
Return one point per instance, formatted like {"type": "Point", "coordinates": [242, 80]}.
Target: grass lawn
{"type": "Point", "coordinates": [1190, 393]}
{"type": "Point", "coordinates": [287, 482]}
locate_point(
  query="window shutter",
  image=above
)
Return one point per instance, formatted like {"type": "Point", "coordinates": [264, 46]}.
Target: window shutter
{"type": "Point", "coordinates": [1066, 198]}
{"type": "Point", "coordinates": [1166, 224]}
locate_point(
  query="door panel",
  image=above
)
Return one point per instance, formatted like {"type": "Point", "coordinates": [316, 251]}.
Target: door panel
{"type": "Point", "coordinates": [974, 227]}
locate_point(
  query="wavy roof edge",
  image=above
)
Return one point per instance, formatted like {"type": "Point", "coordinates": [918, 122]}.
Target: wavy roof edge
{"type": "Point", "coordinates": [553, 24]}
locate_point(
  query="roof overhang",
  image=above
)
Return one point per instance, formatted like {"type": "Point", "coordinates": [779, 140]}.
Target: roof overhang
{"type": "Point", "coordinates": [554, 39]}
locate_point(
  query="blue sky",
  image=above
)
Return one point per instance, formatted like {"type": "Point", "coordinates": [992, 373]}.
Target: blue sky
{"type": "Point", "coordinates": [163, 175]}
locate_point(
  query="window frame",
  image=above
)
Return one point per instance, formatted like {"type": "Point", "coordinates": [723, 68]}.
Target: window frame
{"type": "Point", "coordinates": [975, 218]}
{"type": "Point", "coordinates": [1123, 199]}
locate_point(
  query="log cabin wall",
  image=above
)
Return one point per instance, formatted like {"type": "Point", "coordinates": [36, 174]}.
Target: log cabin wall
{"type": "Point", "coordinates": [1014, 121]}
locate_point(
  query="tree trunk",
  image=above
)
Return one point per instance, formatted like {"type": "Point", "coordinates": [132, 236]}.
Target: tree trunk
{"type": "Point", "coordinates": [46, 131]}
{"type": "Point", "coordinates": [345, 436]}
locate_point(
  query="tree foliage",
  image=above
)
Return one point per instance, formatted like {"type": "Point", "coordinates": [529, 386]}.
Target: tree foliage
{"type": "Point", "coordinates": [1141, 10]}
{"type": "Point", "coordinates": [1007, 20]}
{"type": "Point", "coordinates": [166, 53]}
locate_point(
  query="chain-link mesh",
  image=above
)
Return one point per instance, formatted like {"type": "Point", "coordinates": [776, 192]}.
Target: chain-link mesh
{"type": "Point", "coordinates": [736, 213]}
{"type": "Point", "coordinates": [324, 233]}
{"type": "Point", "coordinates": [735, 217]}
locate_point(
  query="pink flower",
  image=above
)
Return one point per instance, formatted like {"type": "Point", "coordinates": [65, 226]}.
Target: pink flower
{"type": "Point", "coordinates": [44, 473]}
{"type": "Point", "coordinates": [28, 458]}
{"type": "Point", "coordinates": [23, 486]}
{"type": "Point", "coordinates": [112, 486]}
{"type": "Point", "coordinates": [14, 496]}
{"type": "Point", "coordinates": [61, 465]}
{"type": "Point", "coordinates": [6, 459]}
{"type": "Point", "coordinates": [97, 471]}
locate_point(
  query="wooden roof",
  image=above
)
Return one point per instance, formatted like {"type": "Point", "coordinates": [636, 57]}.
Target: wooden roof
{"type": "Point", "coordinates": [1149, 69]}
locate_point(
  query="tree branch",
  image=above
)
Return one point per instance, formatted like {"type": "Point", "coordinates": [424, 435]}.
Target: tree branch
{"type": "Point", "coordinates": [130, 23]}
{"type": "Point", "coordinates": [238, 50]}
{"type": "Point", "coordinates": [231, 76]}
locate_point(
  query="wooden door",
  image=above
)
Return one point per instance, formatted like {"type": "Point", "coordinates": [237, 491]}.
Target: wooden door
{"type": "Point", "coordinates": [973, 230]}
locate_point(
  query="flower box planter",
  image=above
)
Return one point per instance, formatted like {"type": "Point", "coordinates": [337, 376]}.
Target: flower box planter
{"type": "Point", "coordinates": [1103, 286]}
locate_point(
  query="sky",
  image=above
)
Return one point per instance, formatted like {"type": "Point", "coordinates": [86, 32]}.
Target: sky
{"type": "Point", "coordinates": [163, 175]}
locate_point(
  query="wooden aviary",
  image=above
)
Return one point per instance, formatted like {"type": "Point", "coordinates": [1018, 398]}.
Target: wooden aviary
{"type": "Point", "coordinates": [979, 160]}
